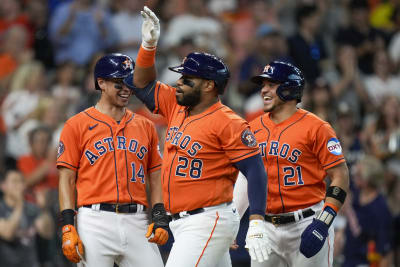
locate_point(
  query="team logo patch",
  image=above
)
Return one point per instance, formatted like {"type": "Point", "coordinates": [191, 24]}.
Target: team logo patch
{"type": "Point", "coordinates": [268, 69]}
{"type": "Point", "coordinates": [248, 138]}
{"type": "Point", "coordinates": [61, 149]}
{"type": "Point", "coordinates": [334, 146]}
{"type": "Point", "coordinates": [127, 64]}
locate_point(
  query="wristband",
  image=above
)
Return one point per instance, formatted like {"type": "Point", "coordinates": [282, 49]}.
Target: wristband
{"type": "Point", "coordinates": [327, 215]}
{"type": "Point", "coordinates": [67, 217]}
{"type": "Point", "coordinates": [146, 58]}
{"type": "Point", "coordinates": [337, 193]}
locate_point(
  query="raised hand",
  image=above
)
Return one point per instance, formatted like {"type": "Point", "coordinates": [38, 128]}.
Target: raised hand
{"type": "Point", "coordinates": [150, 28]}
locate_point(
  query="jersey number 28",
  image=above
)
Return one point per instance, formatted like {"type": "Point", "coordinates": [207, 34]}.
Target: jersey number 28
{"type": "Point", "coordinates": [195, 167]}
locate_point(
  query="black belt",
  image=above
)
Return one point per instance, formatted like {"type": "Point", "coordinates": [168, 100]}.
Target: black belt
{"type": "Point", "coordinates": [288, 218]}
{"type": "Point", "coordinates": [179, 215]}
{"type": "Point", "coordinates": [182, 214]}
{"type": "Point", "coordinates": [118, 208]}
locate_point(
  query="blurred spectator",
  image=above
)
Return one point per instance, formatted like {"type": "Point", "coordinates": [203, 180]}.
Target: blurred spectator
{"type": "Point", "coordinates": [90, 95]}
{"type": "Point", "coordinates": [346, 82]}
{"type": "Point", "coordinates": [370, 223]}
{"type": "Point", "coordinates": [307, 47]}
{"type": "Point", "coordinates": [321, 101]}
{"type": "Point", "coordinates": [349, 134]}
{"type": "Point", "coordinates": [11, 15]}
{"type": "Point", "coordinates": [38, 166]}
{"type": "Point", "coordinates": [38, 17]}
{"type": "Point", "coordinates": [268, 45]}
{"type": "Point", "coordinates": [361, 35]}
{"type": "Point", "coordinates": [20, 105]}
{"type": "Point", "coordinates": [19, 223]}
{"type": "Point", "coordinates": [382, 133]}
{"type": "Point", "coordinates": [206, 31]}
{"type": "Point", "coordinates": [64, 91]}
{"type": "Point", "coordinates": [174, 57]}
{"type": "Point", "coordinates": [394, 45]}
{"type": "Point", "coordinates": [127, 21]}
{"type": "Point", "coordinates": [381, 82]}
{"type": "Point", "coordinates": [79, 30]}
{"type": "Point", "coordinates": [13, 52]}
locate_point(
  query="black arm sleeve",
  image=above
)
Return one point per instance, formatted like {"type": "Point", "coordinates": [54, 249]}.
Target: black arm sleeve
{"type": "Point", "coordinates": [253, 169]}
{"type": "Point", "coordinates": [146, 95]}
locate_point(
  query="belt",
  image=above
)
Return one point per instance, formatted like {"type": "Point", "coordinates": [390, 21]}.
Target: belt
{"type": "Point", "coordinates": [287, 218]}
{"type": "Point", "coordinates": [183, 214]}
{"type": "Point", "coordinates": [118, 208]}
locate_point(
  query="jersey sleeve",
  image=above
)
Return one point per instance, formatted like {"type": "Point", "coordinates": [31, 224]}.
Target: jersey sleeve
{"type": "Point", "coordinates": [164, 99]}
{"type": "Point", "coordinates": [69, 153]}
{"type": "Point", "coordinates": [154, 155]}
{"type": "Point", "coordinates": [327, 147]}
{"type": "Point", "coordinates": [238, 141]}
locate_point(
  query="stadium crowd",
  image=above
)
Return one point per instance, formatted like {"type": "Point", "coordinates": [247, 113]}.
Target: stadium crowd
{"type": "Point", "coordinates": [349, 51]}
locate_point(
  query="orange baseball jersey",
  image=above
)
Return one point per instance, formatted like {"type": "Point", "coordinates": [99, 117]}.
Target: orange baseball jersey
{"type": "Point", "coordinates": [200, 151]}
{"type": "Point", "coordinates": [296, 154]}
{"type": "Point", "coordinates": [111, 159]}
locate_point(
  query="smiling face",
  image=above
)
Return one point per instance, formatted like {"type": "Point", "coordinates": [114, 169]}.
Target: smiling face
{"type": "Point", "coordinates": [115, 92]}
{"type": "Point", "coordinates": [188, 91]}
{"type": "Point", "coordinates": [271, 100]}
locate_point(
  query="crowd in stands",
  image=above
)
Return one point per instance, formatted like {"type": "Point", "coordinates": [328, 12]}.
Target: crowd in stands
{"type": "Point", "coordinates": [349, 51]}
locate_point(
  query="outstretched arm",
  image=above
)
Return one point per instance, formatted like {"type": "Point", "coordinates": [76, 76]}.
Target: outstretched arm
{"type": "Point", "coordinates": [145, 70]}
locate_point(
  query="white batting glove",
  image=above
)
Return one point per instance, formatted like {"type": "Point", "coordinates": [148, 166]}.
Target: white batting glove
{"type": "Point", "coordinates": [257, 242]}
{"type": "Point", "coordinates": [150, 28]}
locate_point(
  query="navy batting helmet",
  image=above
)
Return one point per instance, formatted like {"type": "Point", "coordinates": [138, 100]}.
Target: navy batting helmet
{"type": "Point", "coordinates": [113, 66]}
{"type": "Point", "coordinates": [205, 66]}
{"type": "Point", "coordinates": [289, 77]}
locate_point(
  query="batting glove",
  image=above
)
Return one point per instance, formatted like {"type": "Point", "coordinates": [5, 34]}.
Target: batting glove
{"type": "Point", "coordinates": [159, 225]}
{"type": "Point", "coordinates": [150, 29]}
{"type": "Point", "coordinates": [257, 241]}
{"type": "Point", "coordinates": [72, 246]}
{"type": "Point", "coordinates": [313, 237]}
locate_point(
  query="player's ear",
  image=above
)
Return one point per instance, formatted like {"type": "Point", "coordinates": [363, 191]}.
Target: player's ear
{"type": "Point", "coordinates": [102, 83]}
{"type": "Point", "coordinates": [209, 85]}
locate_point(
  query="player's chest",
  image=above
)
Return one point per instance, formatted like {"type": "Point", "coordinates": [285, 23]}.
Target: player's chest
{"type": "Point", "coordinates": [190, 136]}
{"type": "Point", "coordinates": [285, 146]}
{"type": "Point", "coordinates": [106, 141]}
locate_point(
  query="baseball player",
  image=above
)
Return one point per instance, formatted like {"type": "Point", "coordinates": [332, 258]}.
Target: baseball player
{"type": "Point", "coordinates": [299, 150]}
{"type": "Point", "coordinates": [108, 154]}
{"type": "Point", "coordinates": [206, 143]}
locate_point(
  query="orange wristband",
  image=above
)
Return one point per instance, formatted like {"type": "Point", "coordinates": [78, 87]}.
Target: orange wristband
{"type": "Point", "coordinates": [334, 207]}
{"type": "Point", "coordinates": [146, 58]}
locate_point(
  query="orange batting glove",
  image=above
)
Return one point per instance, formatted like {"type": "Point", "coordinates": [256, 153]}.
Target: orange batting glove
{"type": "Point", "coordinates": [71, 244]}
{"type": "Point", "coordinates": [159, 226]}
{"type": "Point", "coordinates": [160, 236]}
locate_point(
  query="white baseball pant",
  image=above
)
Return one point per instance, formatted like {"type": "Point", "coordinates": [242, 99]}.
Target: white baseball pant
{"type": "Point", "coordinates": [110, 237]}
{"type": "Point", "coordinates": [285, 244]}
{"type": "Point", "coordinates": [203, 239]}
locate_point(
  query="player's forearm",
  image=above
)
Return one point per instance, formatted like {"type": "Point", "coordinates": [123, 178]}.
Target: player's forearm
{"type": "Point", "coordinates": [339, 176]}
{"type": "Point", "coordinates": [66, 189]}
{"type": "Point", "coordinates": [155, 187]}
{"type": "Point", "coordinates": [145, 70]}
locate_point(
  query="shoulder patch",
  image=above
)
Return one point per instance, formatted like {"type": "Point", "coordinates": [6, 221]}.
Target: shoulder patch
{"type": "Point", "coordinates": [248, 138]}
{"type": "Point", "coordinates": [61, 149]}
{"type": "Point", "coordinates": [334, 146]}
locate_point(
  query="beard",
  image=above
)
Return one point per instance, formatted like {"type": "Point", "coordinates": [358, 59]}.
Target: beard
{"type": "Point", "coordinates": [190, 99]}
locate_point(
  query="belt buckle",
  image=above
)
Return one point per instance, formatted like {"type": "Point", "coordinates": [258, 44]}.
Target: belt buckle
{"type": "Point", "coordinates": [116, 208]}
{"type": "Point", "coordinates": [275, 220]}
{"type": "Point", "coordinates": [183, 214]}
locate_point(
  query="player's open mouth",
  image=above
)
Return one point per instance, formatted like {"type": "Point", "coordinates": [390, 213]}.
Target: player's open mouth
{"type": "Point", "coordinates": [124, 96]}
